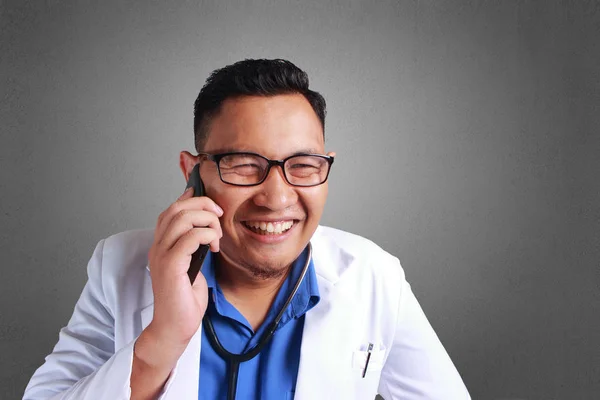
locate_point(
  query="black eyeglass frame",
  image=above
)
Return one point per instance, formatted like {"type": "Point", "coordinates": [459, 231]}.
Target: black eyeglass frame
{"type": "Point", "coordinates": [216, 158]}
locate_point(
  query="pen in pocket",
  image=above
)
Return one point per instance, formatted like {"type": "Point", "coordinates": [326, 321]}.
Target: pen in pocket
{"type": "Point", "coordinates": [368, 358]}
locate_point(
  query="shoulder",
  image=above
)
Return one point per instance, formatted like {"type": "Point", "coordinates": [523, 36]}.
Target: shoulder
{"type": "Point", "coordinates": [348, 240]}
{"type": "Point", "coordinates": [125, 251]}
{"type": "Point", "coordinates": [364, 278]}
{"type": "Point", "coordinates": [131, 241]}
{"type": "Point", "coordinates": [352, 250]}
{"type": "Point", "coordinates": [117, 269]}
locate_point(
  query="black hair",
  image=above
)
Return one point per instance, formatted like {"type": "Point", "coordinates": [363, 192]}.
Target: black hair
{"type": "Point", "coordinates": [251, 78]}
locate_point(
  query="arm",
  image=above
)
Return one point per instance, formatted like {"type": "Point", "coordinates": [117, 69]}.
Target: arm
{"type": "Point", "coordinates": [418, 366]}
{"type": "Point", "coordinates": [83, 364]}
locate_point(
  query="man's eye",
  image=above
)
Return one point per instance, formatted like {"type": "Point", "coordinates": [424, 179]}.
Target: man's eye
{"type": "Point", "coordinates": [304, 166]}
{"type": "Point", "coordinates": [247, 166]}
{"type": "Point", "coordinates": [244, 169]}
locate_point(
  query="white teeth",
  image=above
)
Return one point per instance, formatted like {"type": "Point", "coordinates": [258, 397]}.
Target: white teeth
{"type": "Point", "coordinates": [270, 227]}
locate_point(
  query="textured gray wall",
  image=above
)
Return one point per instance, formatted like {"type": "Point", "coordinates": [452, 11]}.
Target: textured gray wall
{"type": "Point", "coordinates": [468, 145]}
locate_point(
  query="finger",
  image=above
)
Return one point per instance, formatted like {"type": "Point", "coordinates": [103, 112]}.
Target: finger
{"type": "Point", "coordinates": [186, 220]}
{"type": "Point", "coordinates": [185, 203]}
{"type": "Point", "coordinates": [215, 245]}
{"type": "Point", "coordinates": [190, 241]}
{"type": "Point", "coordinates": [187, 193]}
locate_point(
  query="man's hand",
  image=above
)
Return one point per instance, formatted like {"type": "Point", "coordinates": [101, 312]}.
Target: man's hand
{"type": "Point", "coordinates": [178, 305]}
{"type": "Point", "coordinates": [180, 230]}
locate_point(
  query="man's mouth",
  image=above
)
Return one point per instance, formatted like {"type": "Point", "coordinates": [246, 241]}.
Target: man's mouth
{"type": "Point", "coordinates": [268, 227]}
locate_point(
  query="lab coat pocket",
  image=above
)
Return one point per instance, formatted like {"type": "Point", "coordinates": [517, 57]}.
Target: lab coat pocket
{"type": "Point", "coordinates": [376, 361]}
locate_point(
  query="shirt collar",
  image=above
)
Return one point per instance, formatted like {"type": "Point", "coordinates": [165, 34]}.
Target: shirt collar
{"type": "Point", "coordinates": [208, 270]}
{"type": "Point", "coordinates": [216, 297]}
{"type": "Point", "coordinates": [306, 297]}
{"type": "Point", "coordinates": [308, 293]}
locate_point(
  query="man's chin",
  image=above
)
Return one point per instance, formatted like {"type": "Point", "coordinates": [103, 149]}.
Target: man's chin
{"type": "Point", "coordinates": [271, 262]}
{"type": "Point", "coordinates": [271, 270]}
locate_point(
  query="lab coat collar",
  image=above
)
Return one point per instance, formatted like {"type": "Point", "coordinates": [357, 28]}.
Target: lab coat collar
{"type": "Point", "coordinates": [331, 260]}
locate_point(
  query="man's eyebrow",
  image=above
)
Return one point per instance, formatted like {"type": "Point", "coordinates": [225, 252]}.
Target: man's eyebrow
{"type": "Point", "coordinates": [230, 150]}
{"type": "Point", "coordinates": [244, 149]}
{"type": "Point", "coordinates": [307, 151]}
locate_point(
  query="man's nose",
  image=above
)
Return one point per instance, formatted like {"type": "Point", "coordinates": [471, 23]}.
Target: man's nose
{"type": "Point", "coordinates": [275, 193]}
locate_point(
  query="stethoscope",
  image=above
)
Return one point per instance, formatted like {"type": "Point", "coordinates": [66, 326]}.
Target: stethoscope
{"type": "Point", "coordinates": [234, 360]}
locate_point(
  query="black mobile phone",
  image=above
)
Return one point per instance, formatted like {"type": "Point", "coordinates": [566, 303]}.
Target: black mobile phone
{"type": "Point", "coordinates": [200, 254]}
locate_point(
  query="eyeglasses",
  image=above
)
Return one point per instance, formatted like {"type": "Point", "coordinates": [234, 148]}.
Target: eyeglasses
{"type": "Point", "coordinates": [251, 169]}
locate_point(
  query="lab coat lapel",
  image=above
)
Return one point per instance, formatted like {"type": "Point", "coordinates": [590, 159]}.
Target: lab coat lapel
{"type": "Point", "coordinates": [147, 298]}
{"type": "Point", "coordinates": [316, 371]}
{"type": "Point", "coordinates": [322, 355]}
{"type": "Point", "coordinates": [146, 315]}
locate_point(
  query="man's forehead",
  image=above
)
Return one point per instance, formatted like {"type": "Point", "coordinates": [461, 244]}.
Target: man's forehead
{"type": "Point", "coordinates": [286, 102]}
{"type": "Point", "coordinates": [281, 124]}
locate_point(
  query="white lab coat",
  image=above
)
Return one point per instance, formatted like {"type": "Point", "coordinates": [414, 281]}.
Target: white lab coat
{"type": "Point", "coordinates": [364, 299]}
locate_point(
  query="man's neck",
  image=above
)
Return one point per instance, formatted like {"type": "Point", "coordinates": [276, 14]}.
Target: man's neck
{"type": "Point", "coordinates": [252, 296]}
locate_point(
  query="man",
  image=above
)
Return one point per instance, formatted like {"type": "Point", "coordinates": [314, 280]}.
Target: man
{"type": "Point", "coordinates": [316, 313]}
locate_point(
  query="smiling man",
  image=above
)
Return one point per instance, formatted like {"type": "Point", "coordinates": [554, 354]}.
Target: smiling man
{"type": "Point", "coordinates": [284, 308]}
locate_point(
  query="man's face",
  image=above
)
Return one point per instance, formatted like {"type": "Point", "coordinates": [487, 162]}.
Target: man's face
{"type": "Point", "coordinates": [275, 127]}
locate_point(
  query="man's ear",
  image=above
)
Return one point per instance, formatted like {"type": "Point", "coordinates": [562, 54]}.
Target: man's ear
{"type": "Point", "coordinates": [187, 161]}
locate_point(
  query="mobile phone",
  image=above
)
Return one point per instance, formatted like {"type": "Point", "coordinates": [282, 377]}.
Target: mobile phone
{"type": "Point", "coordinates": [200, 254]}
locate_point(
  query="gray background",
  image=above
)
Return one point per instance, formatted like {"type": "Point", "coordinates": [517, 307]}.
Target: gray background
{"type": "Point", "coordinates": [467, 140]}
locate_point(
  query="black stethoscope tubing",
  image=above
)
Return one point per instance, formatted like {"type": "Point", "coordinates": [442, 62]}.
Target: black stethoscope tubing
{"type": "Point", "coordinates": [234, 360]}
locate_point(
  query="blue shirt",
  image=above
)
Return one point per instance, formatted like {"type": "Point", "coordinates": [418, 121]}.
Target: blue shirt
{"type": "Point", "coordinates": [272, 373]}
